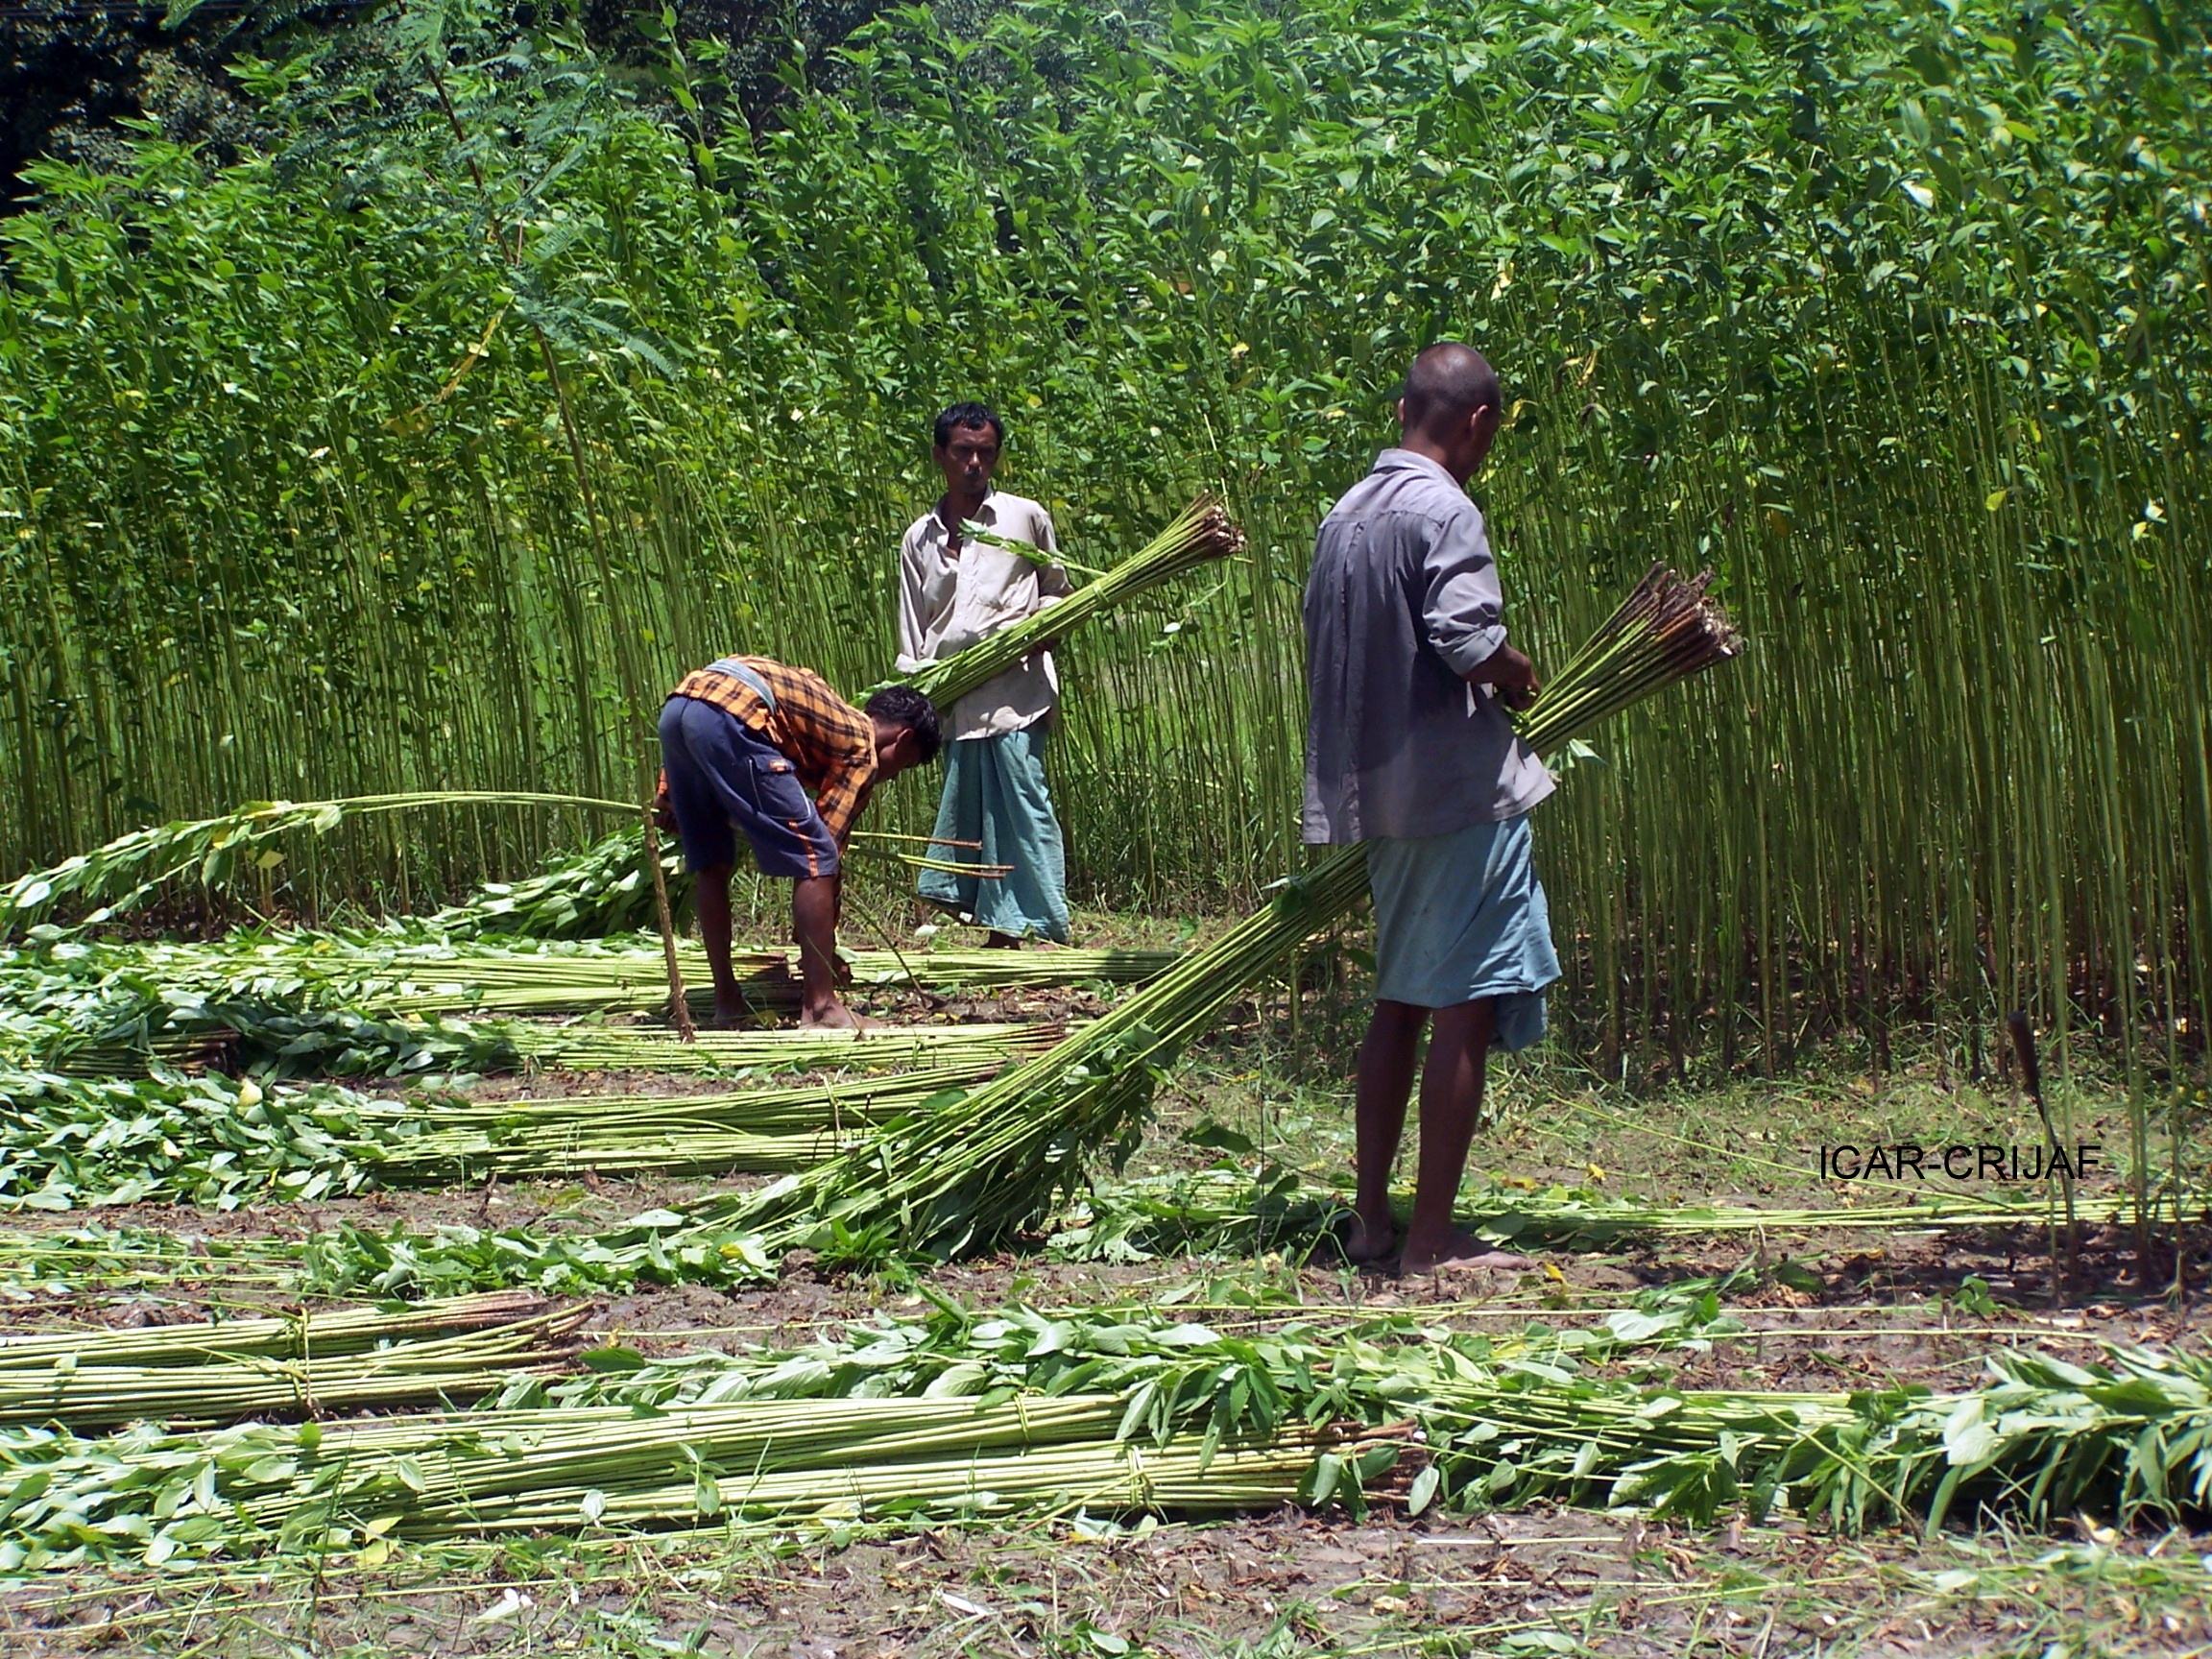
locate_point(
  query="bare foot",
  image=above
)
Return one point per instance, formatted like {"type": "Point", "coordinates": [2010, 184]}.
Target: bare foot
{"type": "Point", "coordinates": [836, 1017]}
{"type": "Point", "coordinates": [1370, 1243]}
{"type": "Point", "coordinates": [729, 1013]}
{"type": "Point", "coordinates": [1001, 942]}
{"type": "Point", "coordinates": [1456, 1251]}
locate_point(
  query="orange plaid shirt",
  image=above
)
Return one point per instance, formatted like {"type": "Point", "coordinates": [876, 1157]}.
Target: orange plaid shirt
{"type": "Point", "coordinates": [831, 743]}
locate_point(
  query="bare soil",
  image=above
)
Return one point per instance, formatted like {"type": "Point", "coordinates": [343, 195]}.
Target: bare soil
{"type": "Point", "coordinates": [1286, 1584]}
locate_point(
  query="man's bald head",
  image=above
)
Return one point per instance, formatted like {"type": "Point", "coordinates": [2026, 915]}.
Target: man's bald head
{"type": "Point", "coordinates": [1447, 383]}
{"type": "Point", "coordinates": [1449, 409]}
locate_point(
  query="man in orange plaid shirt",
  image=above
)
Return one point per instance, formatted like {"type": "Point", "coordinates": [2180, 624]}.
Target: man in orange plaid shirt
{"type": "Point", "coordinates": [771, 750]}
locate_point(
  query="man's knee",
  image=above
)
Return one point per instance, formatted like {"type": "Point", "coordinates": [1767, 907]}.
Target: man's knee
{"type": "Point", "coordinates": [1471, 1022]}
{"type": "Point", "coordinates": [1399, 1017]}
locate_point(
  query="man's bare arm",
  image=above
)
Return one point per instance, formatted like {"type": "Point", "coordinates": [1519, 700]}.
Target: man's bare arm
{"type": "Point", "coordinates": [1508, 672]}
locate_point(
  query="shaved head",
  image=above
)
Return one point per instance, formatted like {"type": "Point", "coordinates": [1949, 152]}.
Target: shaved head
{"type": "Point", "coordinates": [1446, 384]}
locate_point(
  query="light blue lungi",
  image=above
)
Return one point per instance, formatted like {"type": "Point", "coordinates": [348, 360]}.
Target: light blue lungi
{"type": "Point", "coordinates": [995, 793]}
{"type": "Point", "coordinates": [1461, 916]}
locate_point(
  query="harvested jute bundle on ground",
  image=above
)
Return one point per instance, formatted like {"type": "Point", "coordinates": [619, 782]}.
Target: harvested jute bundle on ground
{"type": "Point", "coordinates": [452, 1351]}
{"type": "Point", "coordinates": [749, 1131]}
{"type": "Point", "coordinates": [526, 982]}
{"type": "Point", "coordinates": [655, 1049]}
{"type": "Point", "coordinates": [1112, 1413]}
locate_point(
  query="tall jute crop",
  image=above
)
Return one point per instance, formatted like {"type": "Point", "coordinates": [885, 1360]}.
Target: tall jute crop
{"type": "Point", "coordinates": [1947, 438]}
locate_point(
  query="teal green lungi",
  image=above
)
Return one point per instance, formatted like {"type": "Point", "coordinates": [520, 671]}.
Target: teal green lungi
{"type": "Point", "coordinates": [995, 793]}
{"type": "Point", "coordinates": [1460, 917]}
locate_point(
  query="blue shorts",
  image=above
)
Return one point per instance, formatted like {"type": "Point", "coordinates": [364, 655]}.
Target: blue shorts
{"type": "Point", "coordinates": [722, 774]}
{"type": "Point", "coordinates": [1461, 916]}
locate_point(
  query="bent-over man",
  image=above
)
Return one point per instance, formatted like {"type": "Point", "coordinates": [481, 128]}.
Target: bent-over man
{"type": "Point", "coordinates": [753, 745]}
{"type": "Point", "coordinates": [954, 591]}
{"type": "Point", "coordinates": [1409, 750]}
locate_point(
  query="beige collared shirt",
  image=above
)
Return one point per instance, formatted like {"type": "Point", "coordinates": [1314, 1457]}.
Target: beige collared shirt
{"type": "Point", "coordinates": [949, 600]}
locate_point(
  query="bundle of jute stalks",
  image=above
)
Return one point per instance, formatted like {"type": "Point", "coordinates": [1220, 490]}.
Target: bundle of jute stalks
{"type": "Point", "coordinates": [304, 1363]}
{"type": "Point", "coordinates": [1203, 532]}
{"type": "Point", "coordinates": [1118, 1411]}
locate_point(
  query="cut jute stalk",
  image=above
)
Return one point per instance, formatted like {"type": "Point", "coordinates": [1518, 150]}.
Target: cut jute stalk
{"type": "Point", "coordinates": [679, 1011]}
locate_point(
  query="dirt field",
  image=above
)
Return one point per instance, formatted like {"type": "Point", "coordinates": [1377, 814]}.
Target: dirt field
{"type": "Point", "coordinates": [1823, 1307]}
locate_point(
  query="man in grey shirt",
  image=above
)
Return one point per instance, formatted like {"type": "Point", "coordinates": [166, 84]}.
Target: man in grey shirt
{"type": "Point", "coordinates": [1409, 748]}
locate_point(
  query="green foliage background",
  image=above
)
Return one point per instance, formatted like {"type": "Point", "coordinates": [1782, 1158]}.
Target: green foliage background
{"type": "Point", "coordinates": [1892, 314]}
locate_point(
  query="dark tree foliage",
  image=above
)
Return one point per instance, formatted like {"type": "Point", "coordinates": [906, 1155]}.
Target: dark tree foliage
{"type": "Point", "coordinates": [775, 47]}
{"type": "Point", "coordinates": [73, 72]}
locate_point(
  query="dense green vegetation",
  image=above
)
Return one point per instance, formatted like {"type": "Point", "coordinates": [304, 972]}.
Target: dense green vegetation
{"type": "Point", "coordinates": [425, 450]}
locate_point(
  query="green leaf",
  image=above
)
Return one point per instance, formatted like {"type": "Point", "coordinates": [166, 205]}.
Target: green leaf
{"type": "Point", "coordinates": [1424, 1489]}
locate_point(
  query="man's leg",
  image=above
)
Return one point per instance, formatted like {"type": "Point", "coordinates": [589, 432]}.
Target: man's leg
{"type": "Point", "coordinates": [1385, 1080]}
{"type": "Point", "coordinates": [1451, 1106]}
{"type": "Point", "coordinates": [710, 893]}
{"type": "Point", "coordinates": [959, 818]}
{"type": "Point", "coordinates": [1021, 830]}
{"type": "Point", "coordinates": [814, 900]}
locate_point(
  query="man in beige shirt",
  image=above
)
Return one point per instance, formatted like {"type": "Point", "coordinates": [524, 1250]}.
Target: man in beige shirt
{"type": "Point", "coordinates": [954, 591]}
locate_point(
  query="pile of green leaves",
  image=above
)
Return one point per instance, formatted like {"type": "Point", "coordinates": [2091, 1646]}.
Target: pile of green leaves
{"type": "Point", "coordinates": [653, 1247]}
{"type": "Point", "coordinates": [92, 1009]}
{"type": "Point", "coordinates": [216, 853]}
{"type": "Point", "coordinates": [605, 888]}
{"type": "Point", "coordinates": [69, 1142]}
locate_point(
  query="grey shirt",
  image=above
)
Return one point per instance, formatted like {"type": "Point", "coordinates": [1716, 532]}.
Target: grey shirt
{"type": "Point", "coordinates": [1403, 601]}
